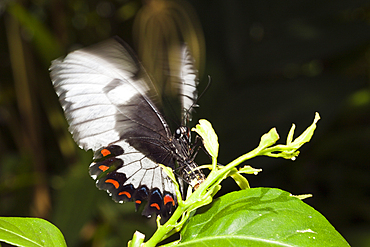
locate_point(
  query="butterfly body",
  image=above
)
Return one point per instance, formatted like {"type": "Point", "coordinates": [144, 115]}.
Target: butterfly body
{"type": "Point", "coordinates": [112, 108]}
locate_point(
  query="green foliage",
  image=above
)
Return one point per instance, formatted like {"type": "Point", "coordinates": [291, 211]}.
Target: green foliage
{"type": "Point", "coordinates": [48, 47]}
{"type": "Point", "coordinates": [271, 78]}
{"type": "Point", "coordinates": [30, 232]}
{"type": "Point", "coordinates": [250, 217]}
{"type": "Point", "coordinates": [260, 217]}
{"type": "Point", "coordinates": [210, 139]}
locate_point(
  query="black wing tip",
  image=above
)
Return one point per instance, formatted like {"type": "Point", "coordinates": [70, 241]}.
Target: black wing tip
{"type": "Point", "coordinates": [104, 171]}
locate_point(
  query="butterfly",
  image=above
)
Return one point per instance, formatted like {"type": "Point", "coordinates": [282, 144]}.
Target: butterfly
{"type": "Point", "coordinates": [113, 108]}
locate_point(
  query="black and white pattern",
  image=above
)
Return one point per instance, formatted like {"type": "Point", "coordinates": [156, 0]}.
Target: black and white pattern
{"type": "Point", "coordinates": [111, 106]}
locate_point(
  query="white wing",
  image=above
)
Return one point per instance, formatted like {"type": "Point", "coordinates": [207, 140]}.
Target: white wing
{"type": "Point", "coordinates": [189, 80]}
{"type": "Point", "coordinates": [92, 84]}
{"type": "Point", "coordinates": [108, 99]}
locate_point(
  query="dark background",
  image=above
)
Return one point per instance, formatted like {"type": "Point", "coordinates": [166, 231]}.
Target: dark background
{"type": "Point", "coordinates": [272, 63]}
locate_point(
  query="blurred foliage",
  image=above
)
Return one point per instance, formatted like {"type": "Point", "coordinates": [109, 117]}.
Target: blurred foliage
{"type": "Point", "coordinates": [271, 62]}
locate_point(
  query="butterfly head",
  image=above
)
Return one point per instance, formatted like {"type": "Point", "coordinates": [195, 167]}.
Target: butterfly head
{"type": "Point", "coordinates": [182, 134]}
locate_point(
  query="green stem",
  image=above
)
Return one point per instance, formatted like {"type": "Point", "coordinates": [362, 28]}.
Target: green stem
{"type": "Point", "coordinates": [198, 198]}
{"type": "Point", "coordinates": [163, 230]}
{"type": "Point", "coordinates": [254, 153]}
{"type": "Point", "coordinates": [214, 163]}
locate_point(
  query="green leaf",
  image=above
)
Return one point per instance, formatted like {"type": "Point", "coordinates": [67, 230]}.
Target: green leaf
{"type": "Point", "coordinates": [306, 135]}
{"type": "Point", "coordinates": [30, 232]}
{"type": "Point", "coordinates": [210, 139]}
{"type": "Point", "coordinates": [241, 181]}
{"type": "Point", "coordinates": [290, 150]}
{"type": "Point", "coordinates": [260, 217]}
{"type": "Point", "coordinates": [302, 197]}
{"type": "Point", "coordinates": [269, 139]}
{"type": "Point", "coordinates": [137, 240]}
{"type": "Point", "coordinates": [290, 135]}
{"type": "Point", "coordinates": [249, 170]}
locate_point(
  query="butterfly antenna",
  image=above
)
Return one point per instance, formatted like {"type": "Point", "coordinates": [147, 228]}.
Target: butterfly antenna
{"type": "Point", "coordinates": [208, 85]}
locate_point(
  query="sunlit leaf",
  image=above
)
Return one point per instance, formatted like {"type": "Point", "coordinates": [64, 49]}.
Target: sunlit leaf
{"type": "Point", "coordinates": [290, 135]}
{"type": "Point", "coordinates": [260, 217]}
{"type": "Point", "coordinates": [210, 139]}
{"type": "Point", "coordinates": [239, 179]}
{"type": "Point", "coordinates": [30, 232]}
{"type": "Point", "coordinates": [307, 134]}
{"type": "Point", "coordinates": [268, 139]}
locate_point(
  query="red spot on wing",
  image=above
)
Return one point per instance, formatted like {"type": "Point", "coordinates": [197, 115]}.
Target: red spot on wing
{"type": "Point", "coordinates": [138, 201]}
{"type": "Point", "coordinates": [103, 168]}
{"type": "Point", "coordinates": [114, 182]}
{"type": "Point", "coordinates": [105, 152]}
{"type": "Point", "coordinates": [125, 193]}
{"type": "Point", "coordinates": [155, 205]}
{"type": "Point", "coordinates": [168, 199]}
